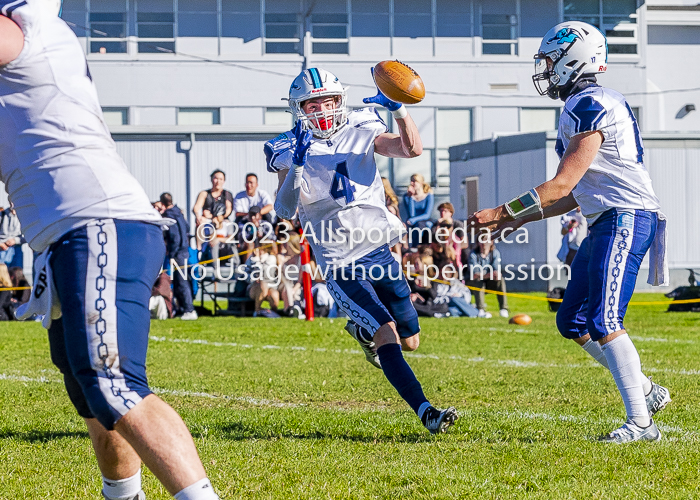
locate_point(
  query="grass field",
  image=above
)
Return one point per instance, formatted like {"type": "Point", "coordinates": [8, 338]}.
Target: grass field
{"type": "Point", "coordinates": [290, 409]}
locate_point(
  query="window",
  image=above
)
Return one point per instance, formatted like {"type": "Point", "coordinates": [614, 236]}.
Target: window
{"type": "Point", "coordinates": [370, 18]}
{"type": "Point", "coordinates": [453, 18]}
{"type": "Point", "coordinates": [107, 27]}
{"type": "Point", "coordinates": [329, 33]}
{"type": "Point", "coordinates": [453, 127]}
{"type": "Point", "coordinates": [116, 116]}
{"type": "Point", "coordinates": [617, 19]}
{"type": "Point", "coordinates": [198, 116]}
{"type": "Point", "coordinates": [74, 13]}
{"type": "Point", "coordinates": [279, 116]}
{"type": "Point", "coordinates": [539, 119]}
{"type": "Point", "coordinates": [413, 18]}
{"type": "Point", "coordinates": [282, 27]}
{"type": "Point", "coordinates": [240, 19]}
{"type": "Point", "coordinates": [155, 21]}
{"type": "Point", "coordinates": [499, 34]}
{"type": "Point", "coordinates": [197, 18]}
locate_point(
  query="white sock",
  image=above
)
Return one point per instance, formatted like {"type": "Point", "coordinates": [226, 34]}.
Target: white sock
{"type": "Point", "coordinates": [594, 349]}
{"type": "Point", "coordinates": [201, 490]}
{"type": "Point", "coordinates": [626, 368]}
{"type": "Point", "coordinates": [122, 489]}
{"type": "Point", "coordinates": [596, 352]}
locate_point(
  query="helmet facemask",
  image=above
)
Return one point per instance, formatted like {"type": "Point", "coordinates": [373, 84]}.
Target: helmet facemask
{"type": "Point", "coordinates": [323, 123]}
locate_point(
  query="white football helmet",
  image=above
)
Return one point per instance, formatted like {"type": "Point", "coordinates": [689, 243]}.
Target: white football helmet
{"type": "Point", "coordinates": [312, 83]}
{"type": "Point", "coordinates": [575, 49]}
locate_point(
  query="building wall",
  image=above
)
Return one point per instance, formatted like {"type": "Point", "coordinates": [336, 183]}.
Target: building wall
{"type": "Point", "coordinates": [220, 61]}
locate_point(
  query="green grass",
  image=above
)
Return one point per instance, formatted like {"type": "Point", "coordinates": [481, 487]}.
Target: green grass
{"type": "Point", "coordinates": [320, 422]}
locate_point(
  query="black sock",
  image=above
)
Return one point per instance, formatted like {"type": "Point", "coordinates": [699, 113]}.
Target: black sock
{"type": "Point", "coordinates": [401, 376]}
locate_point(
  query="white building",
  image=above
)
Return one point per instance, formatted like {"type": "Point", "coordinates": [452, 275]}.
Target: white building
{"type": "Point", "coordinates": [193, 85]}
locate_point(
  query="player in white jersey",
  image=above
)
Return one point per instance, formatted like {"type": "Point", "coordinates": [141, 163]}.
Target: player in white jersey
{"type": "Point", "coordinates": [100, 248]}
{"type": "Point", "coordinates": [327, 172]}
{"type": "Point", "coordinates": [602, 171]}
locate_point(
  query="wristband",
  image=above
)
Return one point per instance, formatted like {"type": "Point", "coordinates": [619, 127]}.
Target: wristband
{"type": "Point", "coordinates": [526, 204]}
{"type": "Point", "coordinates": [400, 113]}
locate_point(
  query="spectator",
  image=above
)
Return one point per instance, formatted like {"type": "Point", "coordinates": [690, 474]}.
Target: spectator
{"type": "Point", "coordinates": [574, 228]}
{"type": "Point", "coordinates": [254, 232]}
{"type": "Point", "coordinates": [213, 206]}
{"type": "Point", "coordinates": [392, 201]}
{"type": "Point", "coordinates": [7, 312]}
{"type": "Point", "coordinates": [19, 281]}
{"type": "Point", "coordinates": [289, 262]}
{"type": "Point", "coordinates": [11, 238]}
{"type": "Point", "coordinates": [264, 281]}
{"type": "Point", "coordinates": [446, 246]}
{"type": "Point", "coordinates": [252, 197]}
{"type": "Point", "coordinates": [161, 302]}
{"type": "Point", "coordinates": [418, 202]}
{"type": "Point", "coordinates": [484, 269]}
{"type": "Point", "coordinates": [177, 251]}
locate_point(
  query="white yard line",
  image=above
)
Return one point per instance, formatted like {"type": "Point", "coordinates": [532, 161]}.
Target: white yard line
{"type": "Point", "coordinates": [517, 363]}
{"type": "Point", "coordinates": [683, 433]}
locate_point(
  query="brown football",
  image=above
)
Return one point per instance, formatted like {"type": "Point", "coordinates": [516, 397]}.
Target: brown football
{"type": "Point", "coordinates": [399, 82]}
{"type": "Point", "coordinates": [520, 319]}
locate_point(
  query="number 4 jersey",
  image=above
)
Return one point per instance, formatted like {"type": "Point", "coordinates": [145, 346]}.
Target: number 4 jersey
{"type": "Point", "coordinates": [617, 178]}
{"type": "Point", "coordinates": [342, 197]}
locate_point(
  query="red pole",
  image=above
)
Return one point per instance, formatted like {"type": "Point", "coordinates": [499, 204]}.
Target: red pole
{"type": "Point", "coordinates": [306, 280]}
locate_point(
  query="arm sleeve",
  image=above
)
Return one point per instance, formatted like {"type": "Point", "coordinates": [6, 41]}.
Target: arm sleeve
{"type": "Point", "coordinates": [265, 197]}
{"type": "Point", "coordinates": [410, 205]}
{"type": "Point", "coordinates": [288, 194]}
{"type": "Point", "coordinates": [588, 115]}
{"type": "Point", "coordinates": [238, 204]}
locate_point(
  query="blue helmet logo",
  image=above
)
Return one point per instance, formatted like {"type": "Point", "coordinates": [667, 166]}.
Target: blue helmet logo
{"type": "Point", "coordinates": [565, 35]}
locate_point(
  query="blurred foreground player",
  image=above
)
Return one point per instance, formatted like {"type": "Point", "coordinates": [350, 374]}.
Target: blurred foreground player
{"type": "Point", "coordinates": [327, 170]}
{"type": "Point", "coordinates": [100, 249]}
{"type": "Point", "coordinates": [602, 171]}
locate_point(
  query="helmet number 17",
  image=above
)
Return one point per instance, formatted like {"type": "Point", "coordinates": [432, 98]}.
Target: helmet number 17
{"type": "Point", "coordinates": [341, 186]}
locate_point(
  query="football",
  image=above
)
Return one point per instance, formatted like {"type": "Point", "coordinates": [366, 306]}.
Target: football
{"type": "Point", "coordinates": [399, 82]}
{"type": "Point", "coordinates": [520, 319]}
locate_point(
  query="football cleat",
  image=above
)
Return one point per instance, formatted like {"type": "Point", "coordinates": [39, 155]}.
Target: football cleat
{"type": "Point", "coordinates": [367, 346]}
{"type": "Point", "coordinates": [657, 399]}
{"type": "Point", "coordinates": [629, 432]}
{"type": "Point", "coordinates": [437, 421]}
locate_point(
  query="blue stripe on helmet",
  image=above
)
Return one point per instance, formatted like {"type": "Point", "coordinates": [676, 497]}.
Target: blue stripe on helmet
{"type": "Point", "coordinates": [316, 78]}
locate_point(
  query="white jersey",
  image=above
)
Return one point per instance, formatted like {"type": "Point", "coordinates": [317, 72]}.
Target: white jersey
{"type": "Point", "coordinates": [341, 190]}
{"type": "Point", "coordinates": [57, 159]}
{"type": "Point", "coordinates": [617, 178]}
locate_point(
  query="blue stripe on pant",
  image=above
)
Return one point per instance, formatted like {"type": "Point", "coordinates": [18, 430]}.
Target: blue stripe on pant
{"type": "Point", "coordinates": [383, 296]}
{"type": "Point", "coordinates": [604, 273]}
{"type": "Point", "coordinates": [104, 273]}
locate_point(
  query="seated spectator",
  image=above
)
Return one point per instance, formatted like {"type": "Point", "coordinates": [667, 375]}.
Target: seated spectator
{"type": "Point", "coordinates": [7, 311]}
{"type": "Point", "coordinates": [161, 302]}
{"type": "Point", "coordinates": [484, 270]}
{"type": "Point", "coordinates": [252, 197]}
{"type": "Point", "coordinates": [289, 262]}
{"type": "Point", "coordinates": [418, 202]}
{"type": "Point", "coordinates": [19, 281]}
{"type": "Point", "coordinates": [456, 296]}
{"type": "Point", "coordinates": [264, 281]}
{"type": "Point", "coordinates": [254, 232]}
{"type": "Point", "coordinates": [392, 201]}
{"type": "Point", "coordinates": [423, 294]}
{"type": "Point", "coordinates": [177, 247]}
{"type": "Point", "coordinates": [11, 238]}
{"type": "Point", "coordinates": [213, 208]}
